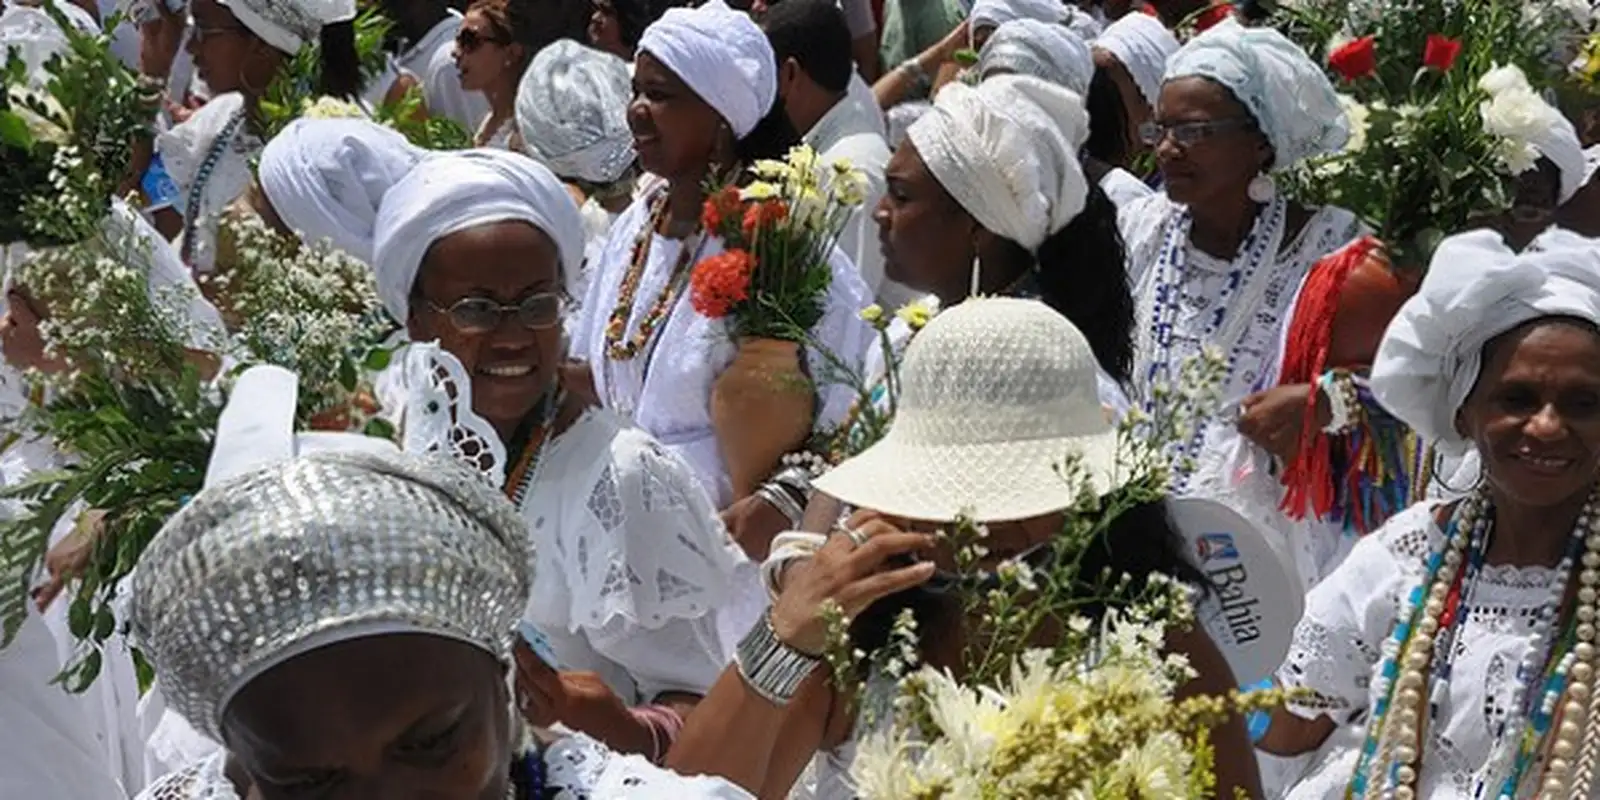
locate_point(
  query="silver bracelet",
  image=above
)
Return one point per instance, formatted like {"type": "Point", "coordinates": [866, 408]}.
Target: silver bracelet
{"type": "Point", "coordinates": [769, 667]}
{"type": "Point", "coordinates": [779, 498]}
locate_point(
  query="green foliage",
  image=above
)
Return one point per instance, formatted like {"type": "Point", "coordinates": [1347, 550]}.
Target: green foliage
{"type": "Point", "coordinates": [295, 87]}
{"type": "Point", "coordinates": [431, 132]}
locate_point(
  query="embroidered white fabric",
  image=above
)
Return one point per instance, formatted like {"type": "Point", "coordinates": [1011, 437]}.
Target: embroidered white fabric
{"type": "Point", "coordinates": [634, 565]}
{"type": "Point", "coordinates": [666, 390]}
{"type": "Point", "coordinates": [1336, 654]}
{"type": "Point", "coordinates": [437, 422]}
{"type": "Point", "coordinates": [576, 768]}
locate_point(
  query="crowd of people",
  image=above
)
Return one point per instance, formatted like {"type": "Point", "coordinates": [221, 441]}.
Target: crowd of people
{"type": "Point", "coordinates": [554, 579]}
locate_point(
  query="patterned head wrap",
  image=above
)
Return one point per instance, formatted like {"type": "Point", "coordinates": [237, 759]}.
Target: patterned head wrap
{"type": "Point", "coordinates": [572, 108]}
{"type": "Point", "coordinates": [1041, 49]}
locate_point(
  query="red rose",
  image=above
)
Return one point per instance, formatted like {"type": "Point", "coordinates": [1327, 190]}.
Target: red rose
{"type": "Point", "coordinates": [1212, 16]}
{"type": "Point", "coordinates": [1355, 59]}
{"type": "Point", "coordinates": [721, 282]}
{"type": "Point", "coordinates": [1440, 53]}
{"type": "Point", "coordinates": [760, 215]}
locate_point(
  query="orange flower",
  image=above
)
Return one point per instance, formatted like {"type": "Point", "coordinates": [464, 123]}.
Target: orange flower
{"type": "Point", "coordinates": [761, 215]}
{"type": "Point", "coordinates": [721, 205]}
{"type": "Point", "coordinates": [721, 282]}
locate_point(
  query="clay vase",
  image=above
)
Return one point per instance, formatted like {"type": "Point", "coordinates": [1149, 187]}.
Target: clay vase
{"type": "Point", "coordinates": [762, 407]}
{"type": "Point", "coordinates": [1371, 296]}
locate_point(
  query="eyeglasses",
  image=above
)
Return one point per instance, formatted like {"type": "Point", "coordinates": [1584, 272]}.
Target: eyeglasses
{"type": "Point", "coordinates": [200, 34]}
{"type": "Point", "coordinates": [468, 40]}
{"type": "Point", "coordinates": [1187, 134]}
{"type": "Point", "coordinates": [481, 315]}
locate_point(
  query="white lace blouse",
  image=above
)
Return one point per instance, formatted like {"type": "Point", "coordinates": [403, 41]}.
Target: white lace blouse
{"type": "Point", "coordinates": [1336, 654]}
{"type": "Point", "coordinates": [577, 768]}
{"type": "Point", "coordinates": [666, 388]}
{"type": "Point", "coordinates": [636, 578]}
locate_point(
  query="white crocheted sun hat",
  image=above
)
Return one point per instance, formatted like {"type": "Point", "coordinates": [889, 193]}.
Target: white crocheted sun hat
{"type": "Point", "coordinates": [996, 393]}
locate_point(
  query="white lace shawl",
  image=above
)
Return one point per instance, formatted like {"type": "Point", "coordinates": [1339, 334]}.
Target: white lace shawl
{"type": "Point", "coordinates": [1336, 654]}
{"type": "Point", "coordinates": [634, 571]}
{"type": "Point", "coordinates": [577, 768]}
{"type": "Point", "coordinates": [666, 389]}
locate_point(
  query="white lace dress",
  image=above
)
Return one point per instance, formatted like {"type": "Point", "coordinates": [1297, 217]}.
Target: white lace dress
{"type": "Point", "coordinates": [666, 388]}
{"type": "Point", "coordinates": [577, 768]}
{"type": "Point", "coordinates": [1336, 654]}
{"type": "Point", "coordinates": [635, 576]}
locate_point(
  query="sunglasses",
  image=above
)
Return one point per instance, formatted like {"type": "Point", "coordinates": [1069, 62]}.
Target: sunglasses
{"type": "Point", "coordinates": [1186, 134]}
{"type": "Point", "coordinates": [476, 315]}
{"type": "Point", "coordinates": [468, 40]}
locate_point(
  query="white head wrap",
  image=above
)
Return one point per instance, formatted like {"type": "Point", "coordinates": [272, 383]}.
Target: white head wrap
{"type": "Point", "coordinates": [994, 13]}
{"type": "Point", "coordinates": [722, 55]}
{"type": "Point", "coordinates": [35, 37]}
{"type": "Point", "coordinates": [572, 108]}
{"type": "Point", "coordinates": [1287, 93]}
{"type": "Point", "coordinates": [327, 177]}
{"type": "Point", "coordinates": [1084, 24]}
{"type": "Point", "coordinates": [1007, 151]}
{"type": "Point", "coordinates": [1142, 45]}
{"type": "Point", "coordinates": [899, 119]}
{"type": "Point", "coordinates": [1558, 141]}
{"type": "Point", "coordinates": [1041, 49]}
{"type": "Point", "coordinates": [452, 192]}
{"type": "Point", "coordinates": [289, 25]}
{"type": "Point", "coordinates": [1476, 289]}
{"type": "Point", "coordinates": [1591, 162]}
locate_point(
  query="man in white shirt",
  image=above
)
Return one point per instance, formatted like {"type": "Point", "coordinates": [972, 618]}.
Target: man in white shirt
{"type": "Point", "coordinates": [428, 28]}
{"type": "Point", "coordinates": [823, 96]}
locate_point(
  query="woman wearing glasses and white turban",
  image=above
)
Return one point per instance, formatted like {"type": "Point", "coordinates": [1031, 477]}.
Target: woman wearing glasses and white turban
{"type": "Point", "coordinates": [1216, 257]}
{"type": "Point", "coordinates": [289, 615]}
{"type": "Point", "coordinates": [637, 589]}
{"type": "Point", "coordinates": [1129, 59]}
{"type": "Point", "coordinates": [1457, 640]}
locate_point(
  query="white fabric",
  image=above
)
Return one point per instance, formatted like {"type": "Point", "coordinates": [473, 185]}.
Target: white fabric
{"type": "Point", "coordinates": [1591, 162]}
{"type": "Point", "coordinates": [169, 283]}
{"type": "Point", "coordinates": [901, 117]}
{"type": "Point", "coordinates": [327, 177]}
{"type": "Point", "coordinates": [1286, 92]}
{"type": "Point", "coordinates": [995, 393]}
{"type": "Point", "coordinates": [34, 36]}
{"type": "Point", "coordinates": [666, 390]}
{"type": "Point", "coordinates": [1007, 151]}
{"type": "Point", "coordinates": [1337, 651]}
{"type": "Point", "coordinates": [186, 148]}
{"type": "Point", "coordinates": [1558, 141]}
{"type": "Point", "coordinates": [576, 768]}
{"type": "Point", "coordinates": [722, 56]}
{"type": "Point", "coordinates": [597, 224]}
{"type": "Point", "coordinates": [1142, 44]}
{"type": "Point", "coordinates": [1082, 24]}
{"type": "Point", "coordinates": [289, 25]}
{"type": "Point", "coordinates": [994, 13]}
{"type": "Point", "coordinates": [572, 110]}
{"type": "Point", "coordinates": [1123, 188]}
{"type": "Point", "coordinates": [853, 130]}
{"type": "Point", "coordinates": [1041, 49]}
{"type": "Point", "coordinates": [1476, 288]}
{"type": "Point", "coordinates": [452, 192]}
{"type": "Point", "coordinates": [634, 566]}
{"type": "Point", "coordinates": [432, 60]}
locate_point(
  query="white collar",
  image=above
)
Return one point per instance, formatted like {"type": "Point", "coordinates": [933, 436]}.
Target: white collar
{"type": "Point", "coordinates": [855, 113]}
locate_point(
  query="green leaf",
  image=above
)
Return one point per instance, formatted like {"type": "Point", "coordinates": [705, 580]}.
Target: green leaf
{"type": "Point", "coordinates": [80, 618]}
{"type": "Point", "coordinates": [14, 131]}
{"type": "Point", "coordinates": [105, 623]}
{"type": "Point", "coordinates": [378, 360]}
{"type": "Point", "coordinates": [143, 672]}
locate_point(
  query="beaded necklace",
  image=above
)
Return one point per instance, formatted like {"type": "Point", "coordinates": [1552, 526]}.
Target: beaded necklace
{"type": "Point", "coordinates": [191, 211]}
{"type": "Point", "coordinates": [617, 325]}
{"type": "Point", "coordinates": [1170, 272]}
{"type": "Point", "coordinates": [526, 472]}
{"type": "Point", "coordinates": [1559, 664]}
{"type": "Point", "coordinates": [529, 777]}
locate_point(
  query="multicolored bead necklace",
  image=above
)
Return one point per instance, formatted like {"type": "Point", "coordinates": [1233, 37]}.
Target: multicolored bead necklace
{"type": "Point", "coordinates": [1558, 669]}
{"type": "Point", "coordinates": [617, 325]}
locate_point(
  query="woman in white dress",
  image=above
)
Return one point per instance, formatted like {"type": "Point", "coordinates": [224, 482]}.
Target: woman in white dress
{"type": "Point", "coordinates": [635, 579]}
{"type": "Point", "coordinates": [342, 621]}
{"type": "Point", "coordinates": [1457, 640]}
{"type": "Point", "coordinates": [705, 82]}
{"type": "Point", "coordinates": [1216, 258]}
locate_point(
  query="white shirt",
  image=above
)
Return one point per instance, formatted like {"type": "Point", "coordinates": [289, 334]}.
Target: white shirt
{"type": "Point", "coordinates": [432, 61]}
{"type": "Point", "coordinates": [1123, 188]}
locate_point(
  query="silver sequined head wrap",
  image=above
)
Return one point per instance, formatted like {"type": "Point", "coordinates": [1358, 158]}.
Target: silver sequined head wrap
{"type": "Point", "coordinates": [572, 108]}
{"type": "Point", "coordinates": [322, 549]}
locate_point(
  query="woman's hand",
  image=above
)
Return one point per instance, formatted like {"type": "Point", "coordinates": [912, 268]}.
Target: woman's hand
{"type": "Point", "coordinates": [752, 522]}
{"type": "Point", "coordinates": [1275, 418]}
{"type": "Point", "coordinates": [68, 559]}
{"type": "Point", "coordinates": [580, 700]}
{"type": "Point", "coordinates": [848, 575]}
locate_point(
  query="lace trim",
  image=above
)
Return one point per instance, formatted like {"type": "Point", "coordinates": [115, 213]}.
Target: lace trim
{"type": "Point", "coordinates": [439, 417]}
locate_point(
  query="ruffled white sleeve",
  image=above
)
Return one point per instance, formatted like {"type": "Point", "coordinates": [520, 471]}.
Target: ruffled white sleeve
{"type": "Point", "coordinates": [1338, 643]}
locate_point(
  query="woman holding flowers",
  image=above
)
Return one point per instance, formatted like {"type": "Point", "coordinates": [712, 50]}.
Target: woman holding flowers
{"type": "Point", "coordinates": [1458, 640]}
{"type": "Point", "coordinates": [703, 110]}
{"type": "Point", "coordinates": [1216, 257]}
{"type": "Point", "coordinates": [635, 577]}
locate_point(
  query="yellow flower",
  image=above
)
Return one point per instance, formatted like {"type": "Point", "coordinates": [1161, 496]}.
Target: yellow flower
{"type": "Point", "coordinates": [850, 186]}
{"type": "Point", "coordinates": [759, 190]}
{"type": "Point", "coordinates": [330, 108]}
{"type": "Point", "coordinates": [872, 313]}
{"type": "Point", "coordinates": [915, 314]}
{"type": "Point", "coordinates": [768, 169]}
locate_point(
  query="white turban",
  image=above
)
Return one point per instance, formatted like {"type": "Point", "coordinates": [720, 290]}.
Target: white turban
{"type": "Point", "coordinates": [452, 192]}
{"type": "Point", "coordinates": [35, 37]}
{"type": "Point", "coordinates": [1558, 141]}
{"type": "Point", "coordinates": [1040, 49]}
{"type": "Point", "coordinates": [1287, 93]}
{"type": "Point", "coordinates": [572, 108]}
{"type": "Point", "coordinates": [1142, 45]}
{"type": "Point", "coordinates": [1084, 24]}
{"type": "Point", "coordinates": [722, 55]}
{"type": "Point", "coordinates": [1007, 151]}
{"type": "Point", "coordinates": [1476, 289]}
{"type": "Point", "coordinates": [994, 13]}
{"type": "Point", "coordinates": [289, 25]}
{"type": "Point", "coordinates": [327, 177]}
